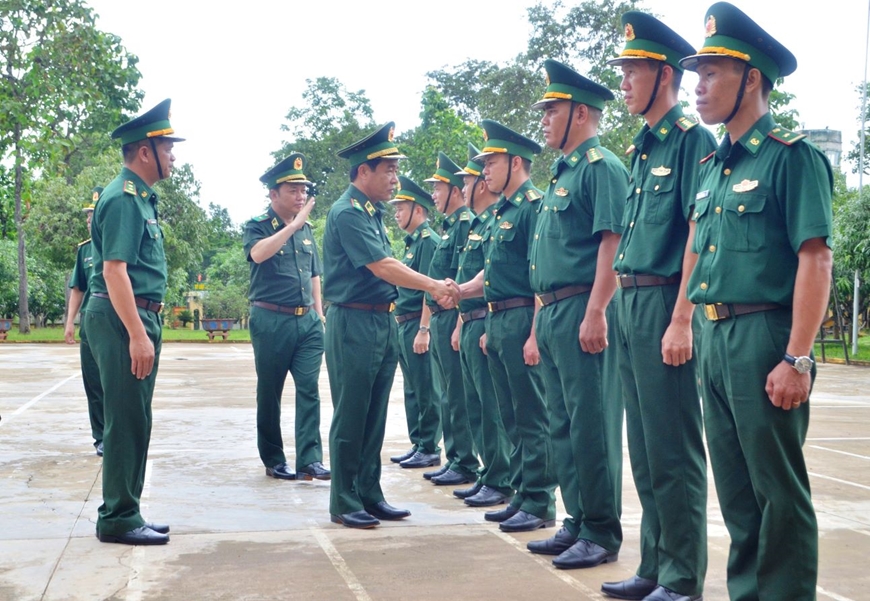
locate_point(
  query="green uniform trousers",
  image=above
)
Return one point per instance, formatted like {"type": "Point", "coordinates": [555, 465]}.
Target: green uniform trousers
{"type": "Point", "coordinates": [127, 412]}
{"type": "Point", "coordinates": [585, 422]}
{"type": "Point", "coordinates": [284, 343]}
{"type": "Point", "coordinates": [757, 459]}
{"type": "Point", "coordinates": [665, 443]}
{"type": "Point", "coordinates": [91, 381]}
{"type": "Point", "coordinates": [422, 408]}
{"type": "Point", "coordinates": [362, 353]}
{"type": "Point", "coordinates": [483, 412]}
{"type": "Point", "coordinates": [519, 389]}
{"type": "Point", "coordinates": [459, 447]}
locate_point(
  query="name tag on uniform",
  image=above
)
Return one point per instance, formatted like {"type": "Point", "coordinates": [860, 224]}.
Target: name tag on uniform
{"type": "Point", "coordinates": [702, 195]}
{"type": "Point", "coordinates": [151, 221]}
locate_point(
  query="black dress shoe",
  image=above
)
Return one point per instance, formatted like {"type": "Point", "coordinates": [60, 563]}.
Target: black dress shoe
{"type": "Point", "coordinates": [501, 514]}
{"type": "Point", "coordinates": [487, 497]}
{"type": "Point", "coordinates": [436, 473]}
{"type": "Point", "coordinates": [584, 554]}
{"type": "Point", "coordinates": [282, 471]}
{"type": "Point", "coordinates": [99, 447]}
{"type": "Point", "coordinates": [385, 511]}
{"type": "Point", "coordinates": [404, 456]}
{"type": "Point", "coordinates": [314, 470]}
{"type": "Point", "coordinates": [555, 545]}
{"type": "Point", "coordinates": [464, 493]}
{"type": "Point", "coordinates": [635, 588]}
{"type": "Point", "coordinates": [356, 519]}
{"type": "Point", "coordinates": [524, 521]}
{"type": "Point", "coordinates": [419, 459]}
{"type": "Point", "coordinates": [142, 535]}
{"type": "Point", "coordinates": [161, 528]}
{"type": "Point", "coordinates": [665, 594]}
{"type": "Point", "coordinates": [450, 478]}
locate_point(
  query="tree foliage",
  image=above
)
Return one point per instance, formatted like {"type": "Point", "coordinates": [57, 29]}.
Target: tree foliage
{"type": "Point", "coordinates": [227, 280]}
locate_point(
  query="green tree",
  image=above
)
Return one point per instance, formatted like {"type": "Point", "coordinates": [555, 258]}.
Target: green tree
{"type": "Point", "coordinates": [61, 77]}
{"type": "Point", "coordinates": [854, 155]}
{"type": "Point", "coordinates": [227, 280]}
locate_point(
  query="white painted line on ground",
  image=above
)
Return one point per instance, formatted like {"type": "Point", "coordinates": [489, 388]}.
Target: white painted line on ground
{"type": "Point", "coordinates": [137, 560]}
{"type": "Point", "coordinates": [831, 595]}
{"type": "Point", "coordinates": [36, 399]}
{"type": "Point", "coordinates": [340, 565]}
{"type": "Point", "coordinates": [813, 446]}
{"type": "Point", "coordinates": [832, 479]}
{"type": "Point", "coordinates": [850, 406]}
{"type": "Point", "coordinates": [848, 438]}
{"type": "Point", "coordinates": [547, 562]}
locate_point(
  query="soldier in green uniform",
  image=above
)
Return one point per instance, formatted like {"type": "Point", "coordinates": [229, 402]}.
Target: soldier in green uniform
{"type": "Point", "coordinates": [123, 320]}
{"type": "Point", "coordinates": [462, 463]}
{"type": "Point", "coordinates": [493, 484]}
{"type": "Point", "coordinates": [286, 320]}
{"type": "Point", "coordinates": [577, 233]}
{"type": "Point", "coordinates": [78, 301]}
{"type": "Point", "coordinates": [511, 347]}
{"type": "Point", "coordinates": [763, 273]}
{"type": "Point", "coordinates": [413, 317]}
{"type": "Point", "coordinates": [657, 363]}
{"type": "Point", "coordinates": [361, 334]}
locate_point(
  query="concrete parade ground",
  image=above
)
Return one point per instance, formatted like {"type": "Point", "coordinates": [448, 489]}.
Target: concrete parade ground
{"type": "Point", "coordinates": [237, 534]}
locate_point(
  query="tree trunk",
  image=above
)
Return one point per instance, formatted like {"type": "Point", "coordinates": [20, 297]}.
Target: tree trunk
{"type": "Point", "coordinates": [23, 308]}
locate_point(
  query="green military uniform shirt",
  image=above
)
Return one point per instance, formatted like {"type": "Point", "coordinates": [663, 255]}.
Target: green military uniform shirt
{"type": "Point", "coordinates": [664, 179]}
{"type": "Point", "coordinates": [129, 206]}
{"type": "Point", "coordinates": [284, 278]}
{"type": "Point", "coordinates": [82, 271]}
{"type": "Point", "coordinates": [585, 197]}
{"type": "Point", "coordinates": [505, 273]}
{"type": "Point", "coordinates": [471, 261]}
{"type": "Point", "coordinates": [419, 248]}
{"type": "Point", "coordinates": [355, 236]}
{"type": "Point", "coordinates": [763, 196]}
{"type": "Point", "coordinates": [445, 261]}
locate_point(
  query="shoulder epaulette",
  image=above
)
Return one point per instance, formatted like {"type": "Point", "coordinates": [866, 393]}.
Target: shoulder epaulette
{"type": "Point", "coordinates": [83, 242]}
{"type": "Point", "coordinates": [259, 218]}
{"type": "Point", "coordinates": [593, 155]}
{"type": "Point", "coordinates": [464, 216]}
{"type": "Point", "coordinates": [784, 136]}
{"type": "Point", "coordinates": [129, 187]}
{"type": "Point", "coordinates": [630, 149]}
{"type": "Point", "coordinates": [685, 124]}
{"type": "Point", "coordinates": [533, 195]}
{"type": "Point", "coordinates": [425, 234]}
{"type": "Point", "coordinates": [706, 158]}
{"type": "Point", "coordinates": [355, 204]}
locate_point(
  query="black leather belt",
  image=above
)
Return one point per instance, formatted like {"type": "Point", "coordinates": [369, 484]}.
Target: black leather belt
{"type": "Point", "coordinates": [719, 311]}
{"type": "Point", "coordinates": [628, 280]}
{"type": "Point", "coordinates": [281, 308]}
{"type": "Point", "coordinates": [473, 315]}
{"type": "Point", "coordinates": [511, 303]}
{"type": "Point", "coordinates": [408, 316]}
{"type": "Point", "coordinates": [436, 309]}
{"type": "Point", "coordinates": [143, 303]}
{"type": "Point", "coordinates": [381, 308]}
{"type": "Point", "coordinates": [548, 298]}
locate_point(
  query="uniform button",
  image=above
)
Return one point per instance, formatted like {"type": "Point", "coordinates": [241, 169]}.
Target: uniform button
{"type": "Point", "coordinates": [499, 217]}
{"type": "Point", "coordinates": [703, 285]}
{"type": "Point", "coordinates": [727, 172]}
{"type": "Point", "coordinates": [536, 236]}
{"type": "Point", "coordinates": [546, 208]}
{"type": "Point", "coordinates": [741, 208]}
{"type": "Point", "coordinates": [656, 188]}
{"type": "Point", "coordinates": [643, 157]}
{"type": "Point", "coordinates": [696, 215]}
{"type": "Point", "coordinates": [297, 252]}
{"type": "Point", "coordinates": [631, 224]}
{"type": "Point", "coordinates": [459, 268]}
{"type": "Point", "coordinates": [718, 209]}
{"type": "Point", "coordinates": [712, 248]}
{"type": "Point", "coordinates": [555, 180]}
{"type": "Point", "coordinates": [637, 191]}
{"type": "Point", "coordinates": [487, 283]}
{"type": "Point", "coordinates": [533, 266]}
{"type": "Point", "coordinates": [487, 260]}
{"type": "Point", "coordinates": [621, 255]}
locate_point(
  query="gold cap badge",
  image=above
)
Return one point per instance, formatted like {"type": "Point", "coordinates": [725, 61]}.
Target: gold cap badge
{"type": "Point", "coordinates": [710, 26]}
{"type": "Point", "coordinates": [629, 32]}
{"type": "Point", "coordinates": [297, 164]}
{"type": "Point", "coordinates": [390, 135]}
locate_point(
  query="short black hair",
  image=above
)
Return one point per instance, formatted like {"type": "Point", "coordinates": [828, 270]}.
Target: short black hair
{"type": "Point", "coordinates": [373, 164]}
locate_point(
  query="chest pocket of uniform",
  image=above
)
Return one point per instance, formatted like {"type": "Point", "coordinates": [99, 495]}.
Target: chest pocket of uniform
{"type": "Point", "coordinates": [305, 258]}
{"type": "Point", "coordinates": [657, 199]}
{"type": "Point", "coordinates": [444, 257]}
{"type": "Point", "coordinates": [555, 217]}
{"type": "Point", "coordinates": [472, 259]}
{"type": "Point", "coordinates": [702, 224]}
{"type": "Point", "coordinates": [152, 240]}
{"type": "Point", "coordinates": [743, 222]}
{"type": "Point", "coordinates": [505, 245]}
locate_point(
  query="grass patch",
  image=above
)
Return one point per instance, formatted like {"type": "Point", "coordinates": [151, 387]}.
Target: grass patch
{"type": "Point", "coordinates": [836, 350]}
{"type": "Point", "coordinates": [55, 334]}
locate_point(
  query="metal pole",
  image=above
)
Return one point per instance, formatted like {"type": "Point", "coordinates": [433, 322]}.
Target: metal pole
{"type": "Point", "coordinates": [857, 289]}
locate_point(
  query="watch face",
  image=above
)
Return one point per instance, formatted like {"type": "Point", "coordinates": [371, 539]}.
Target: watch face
{"type": "Point", "coordinates": [803, 364]}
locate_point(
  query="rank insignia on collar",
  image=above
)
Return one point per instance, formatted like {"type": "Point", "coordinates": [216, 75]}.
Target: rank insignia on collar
{"type": "Point", "coordinates": [129, 187]}
{"type": "Point", "coordinates": [561, 192]}
{"type": "Point", "coordinates": [505, 225]}
{"type": "Point", "coordinates": [370, 208]}
{"type": "Point", "coordinates": [745, 186]}
{"type": "Point", "coordinates": [424, 234]}
{"type": "Point", "coordinates": [143, 194]}
{"type": "Point", "coordinates": [754, 141]}
{"type": "Point", "coordinates": [660, 171]}
{"type": "Point", "coordinates": [275, 222]}
{"type": "Point", "coordinates": [663, 130]}
{"type": "Point", "coordinates": [464, 216]}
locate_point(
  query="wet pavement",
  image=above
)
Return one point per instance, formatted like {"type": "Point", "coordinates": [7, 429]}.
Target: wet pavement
{"type": "Point", "coordinates": [237, 534]}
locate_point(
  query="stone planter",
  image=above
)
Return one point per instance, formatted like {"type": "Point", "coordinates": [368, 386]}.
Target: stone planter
{"type": "Point", "coordinates": [217, 327]}
{"type": "Point", "coordinates": [5, 326]}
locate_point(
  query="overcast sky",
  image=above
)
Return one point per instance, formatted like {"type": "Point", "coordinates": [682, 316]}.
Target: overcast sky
{"type": "Point", "coordinates": [233, 71]}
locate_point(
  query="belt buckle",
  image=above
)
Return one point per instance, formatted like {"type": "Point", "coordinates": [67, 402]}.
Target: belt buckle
{"type": "Point", "coordinates": [619, 282]}
{"type": "Point", "coordinates": [392, 307]}
{"type": "Point", "coordinates": [539, 298]}
{"type": "Point", "coordinates": [711, 313]}
{"type": "Point", "coordinates": [491, 306]}
{"type": "Point", "coordinates": [160, 307]}
{"type": "Point", "coordinates": [298, 311]}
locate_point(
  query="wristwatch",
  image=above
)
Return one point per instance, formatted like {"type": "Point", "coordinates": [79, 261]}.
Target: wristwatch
{"type": "Point", "coordinates": [424, 329]}
{"type": "Point", "coordinates": [802, 365]}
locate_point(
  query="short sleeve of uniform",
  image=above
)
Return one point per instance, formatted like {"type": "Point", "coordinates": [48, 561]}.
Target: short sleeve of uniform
{"type": "Point", "coordinates": [606, 188]}
{"type": "Point", "coordinates": [805, 189]}
{"type": "Point", "coordinates": [317, 264]}
{"type": "Point", "coordinates": [360, 238]}
{"type": "Point", "coordinates": [123, 227]}
{"type": "Point", "coordinates": [79, 278]}
{"type": "Point", "coordinates": [254, 232]}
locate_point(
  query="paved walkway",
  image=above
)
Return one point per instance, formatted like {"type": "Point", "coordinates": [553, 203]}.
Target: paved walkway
{"type": "Point", "coordinates": [237, 534]}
